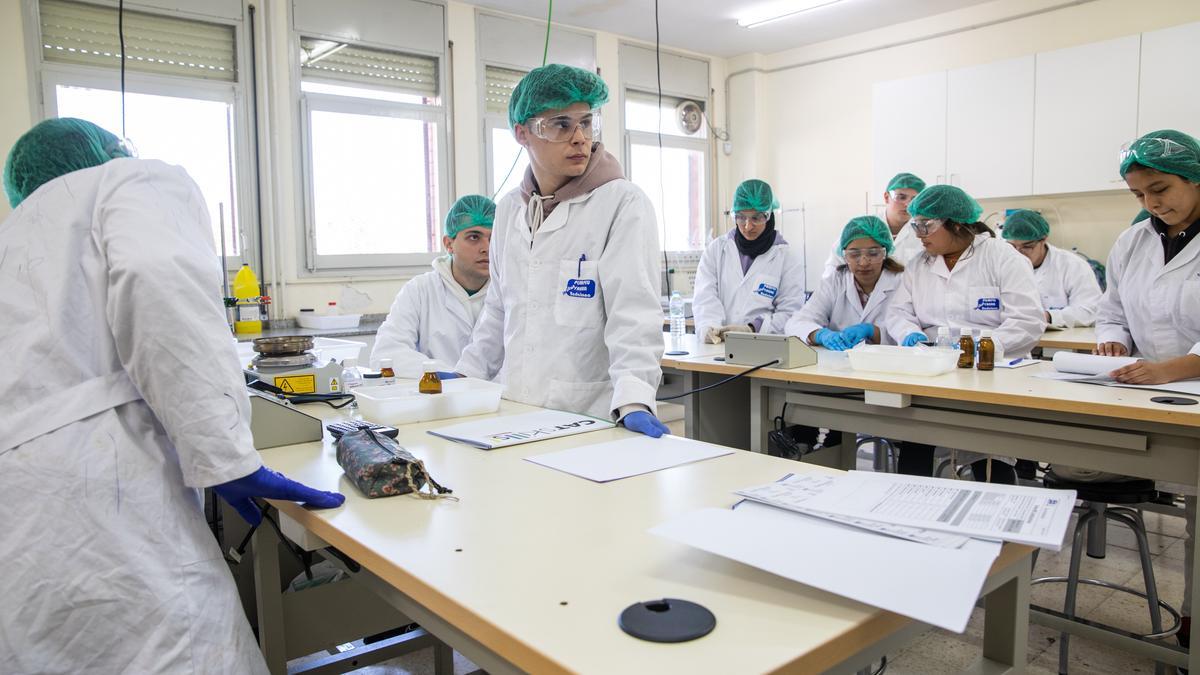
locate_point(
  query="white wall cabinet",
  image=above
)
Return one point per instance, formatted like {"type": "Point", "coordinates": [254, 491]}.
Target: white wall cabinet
{"type": "Point", "coordinates": [1086, 108]}
{"type": "Point", "coordinates": [909, 129]}
{"type": "Point", "coordinates": [1165, 101]}
{"type": "Point", "coordinates": [989, 128]}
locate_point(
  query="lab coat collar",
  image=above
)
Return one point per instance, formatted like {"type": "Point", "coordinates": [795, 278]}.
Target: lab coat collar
{"type": "Point", "coordinates": [888, 281]}
{"type": "Point", "coordinates": [967, 258]}
{"type": "Point", "coordinates": [442, 265]}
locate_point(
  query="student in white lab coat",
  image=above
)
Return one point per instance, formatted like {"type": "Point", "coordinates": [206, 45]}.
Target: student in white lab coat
{"type": "Point", "coordinates": [901, 189]}
{"type": "Point", "coordinates": [124, 397]}
{"type": "Point", "coordinates": [750, 279]}
{"type": "Point", "coordinates": [1151, 307]}
{"type": "Point", "coordinates": [572, 318]}
{"type": "Point", "coordinates": [965, 278]}
{"type": "Point", "coordinates": [1070, 292]}
{"type": "Point", "coordinates": [433, 315]}
{"type": "Point", "coordinates": [849, 306]}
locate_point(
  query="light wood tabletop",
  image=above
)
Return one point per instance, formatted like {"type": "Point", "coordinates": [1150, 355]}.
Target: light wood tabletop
{"type": "Point", "coordinates": [1078, 339]}
{"type": "Point", "coordinates": [1008, 387]}
{"type": "Point", "coordinates": [536, 565]}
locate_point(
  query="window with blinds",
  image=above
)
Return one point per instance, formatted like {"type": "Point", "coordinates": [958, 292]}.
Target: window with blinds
{"type": "Point", "coordinates": [498, 86]}
{"type": "Point", "coordinates": [87, 35]}
{"type": "Point", "coordinates": [343, 63]}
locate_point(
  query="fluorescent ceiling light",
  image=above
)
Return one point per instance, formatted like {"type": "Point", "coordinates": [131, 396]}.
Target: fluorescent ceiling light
{"type": "Point", "coordinates": [775, 11]}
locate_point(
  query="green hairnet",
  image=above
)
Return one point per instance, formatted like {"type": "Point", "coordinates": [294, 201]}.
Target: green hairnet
{"type": "Point", "coordinates": [867, 226]}
{"type": "Point", "coordinates": [946, 202]}
{"type": "Point", "coordinates": [754, 195]}
{"type": "Point", "coordinates": [1141, 215]}
{"type": "Point", "coordinates": [1025, 225]}
{"type": "Point", "coordinates": [553, 87]}
{"type": "Point", "coordinates": [53, 148]}
{"type": "Point", "coordinates": [905, 180]}
{"type": "Point", "coordinates": [470, 211]}
{"type": "Point", "coordinates": [1168, 151]}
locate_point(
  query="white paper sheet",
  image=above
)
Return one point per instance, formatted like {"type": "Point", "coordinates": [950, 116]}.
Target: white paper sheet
{"type": "Point", "coordinates": [1090, 364]}
{"type": "Point", "coordinates": [936, 585]}
{"type": "Point", "coordinates": [1017, 363]}
{"type": "Point", "coordinates": [1026, 515]}
{"type": "Point", "coordinates": [501, 432]}
{"type": "Point", "coordinates": [604, 462]}
{"type": "Point", "coordinates": [792, 492]}
{"type": "Point", "coordinates": [1095, 369]}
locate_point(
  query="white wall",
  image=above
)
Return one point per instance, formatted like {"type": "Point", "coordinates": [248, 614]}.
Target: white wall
{"type": "Point", "coordinates": [14, 82]}
{"type": "Point", "coordinates": [812, 138]}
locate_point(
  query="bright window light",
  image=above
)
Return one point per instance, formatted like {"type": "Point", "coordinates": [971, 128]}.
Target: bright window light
{"type": "Point", "coordinates": [192, 133]}
{"type": "Point", "coordinates": [783, 9]}
{"type": "Point", "coordinates": [682, 192]}
{"type": "Point", "coordinates": [374, 184]}
{"type": "Point", "coordinates": [379, 94]}
{"type": "Point", "coordinates": [506, 150]}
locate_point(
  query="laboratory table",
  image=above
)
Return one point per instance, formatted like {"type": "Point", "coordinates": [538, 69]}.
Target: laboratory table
{"type": "Point", "coordinates": [1005, 412]}
{"type": "Point", "coordinates": [528, 570]}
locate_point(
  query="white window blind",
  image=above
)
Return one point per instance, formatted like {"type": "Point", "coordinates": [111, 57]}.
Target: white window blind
{"type": "Point", "coordinates": [351, 64]}
{"type": "Point", "coordinates": [498, 88]}
{"type": "Point", "coordinates": [87, 35]}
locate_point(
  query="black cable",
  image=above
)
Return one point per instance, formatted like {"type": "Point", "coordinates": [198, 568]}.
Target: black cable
{"type": "Point", "coordinates": [298, 553]}
{"type": "Point", "coordinates": [661, 192]}
{"type": "Point", "coordinates": [121, 39]}
{"type": "Point", "coordinates": [720, 382]}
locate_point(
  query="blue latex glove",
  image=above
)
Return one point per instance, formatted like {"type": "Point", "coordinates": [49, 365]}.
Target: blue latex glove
{"type": "Point", "coordinates": [858, 333]}
{"type": "Point", "coordinates": [269, 484]}
{"type": "Point", "coordinates": [913, 338]}
{"type": "Point", "coordinates": [645, 423]}
{"type": "Point", "coordinates": [443, 375]}
{"type": "Point", "coordinates": [832, 340]}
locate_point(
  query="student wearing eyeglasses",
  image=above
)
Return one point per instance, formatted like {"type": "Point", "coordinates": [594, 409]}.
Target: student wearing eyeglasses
{"type": "Point", "coordinates": [749, 280]}
{"type": "Point", "coordinates": [1070, 292]}
{"type": "Point", "coordinates": [966, 278]}
{"type": "Point", "coordinates": [849, 306]}
{"type": "Point", "coordinates": [901, 190]}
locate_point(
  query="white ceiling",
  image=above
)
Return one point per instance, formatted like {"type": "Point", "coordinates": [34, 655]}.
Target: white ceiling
{"type": "Point", "coordinates": [710, 26]}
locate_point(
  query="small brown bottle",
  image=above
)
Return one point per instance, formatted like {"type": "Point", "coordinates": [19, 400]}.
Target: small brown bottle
{"type": "Point", "coordinates": [430, 382]}
{"type": "Point", "coordinates": [387, 375]}
{"type": "Point", "coordinates": [966, 358]}
{"type": "Point", "coordinates": [987, 350]}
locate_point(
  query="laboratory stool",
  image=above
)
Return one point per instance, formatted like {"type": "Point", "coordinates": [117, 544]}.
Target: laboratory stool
{"type": "Point", "coordinates": [1103, 502]}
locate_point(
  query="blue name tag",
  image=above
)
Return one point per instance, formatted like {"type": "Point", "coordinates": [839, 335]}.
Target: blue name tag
{"type": "Point", "coordinates": [580, 288]}
{"type": "Point", "coordinates": [988, 304]}
{"type": "Point", "coordinates": [766, 291]}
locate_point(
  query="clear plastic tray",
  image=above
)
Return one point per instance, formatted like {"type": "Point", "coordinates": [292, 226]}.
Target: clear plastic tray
{"type": "Point", "coordinates": [924, 361]}
{"type": "Point", "coordinates": [401, 403]}
{"type": "Point", "coordinates": [325, 321]}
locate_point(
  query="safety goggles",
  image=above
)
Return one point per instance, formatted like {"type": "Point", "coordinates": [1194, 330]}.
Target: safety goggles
{"type": "Point", "coordinates": [923, 226]}
{"type": "Point", "coordinates": [753, 218]}
{"type": "Point", "coordinates": [561, 128]}
{"type": "Point", "coordinates": [122, 147]}
{"type": "Point", "coordinates": [1152, 149]}
{"type": "Point", "coordinates": [902, 197]}
{"type": "Point", "coordinates": [1029, 246]}
{"type": "Point", "coordinates": [856, 254]}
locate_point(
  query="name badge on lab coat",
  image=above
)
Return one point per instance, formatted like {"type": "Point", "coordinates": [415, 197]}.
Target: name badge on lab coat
{"type": "Point", "coordinates": [581, 288]}
{"type": "Point", "coordinates": [766, 290]}
{"type": "Point", "coordinates": [988, 304]}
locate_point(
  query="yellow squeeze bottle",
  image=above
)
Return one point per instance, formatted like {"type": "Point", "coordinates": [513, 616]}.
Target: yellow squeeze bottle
{"type": "Point", "coordinates": [247, 292]}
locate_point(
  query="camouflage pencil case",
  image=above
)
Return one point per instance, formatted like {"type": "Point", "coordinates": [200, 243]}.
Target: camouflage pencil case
{"type": "Point", "coordinates": [379, 467]}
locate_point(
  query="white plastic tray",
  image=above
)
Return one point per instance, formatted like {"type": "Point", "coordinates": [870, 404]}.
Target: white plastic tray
{"type": "Point", "coordinates": [401, 403]}
{"type": "Point", "coordinates": [926, 361]}
{"type": "Point", "coordinates": [324, 321]}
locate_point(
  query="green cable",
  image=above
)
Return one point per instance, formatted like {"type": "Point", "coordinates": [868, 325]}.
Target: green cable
{"type": "Point", "coordinates": [546, 49]}
{"type": "Point", "coordinates": [545, 54]}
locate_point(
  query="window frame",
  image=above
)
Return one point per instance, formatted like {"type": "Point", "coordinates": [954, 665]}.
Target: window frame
{"type": "Point", "coordinates": [698, 143]}
{"type": "Point", "coordinates": [491, 122]}
{"type": "Point", "coordinates": [311, 102]}
{"type": "Point", "coordinates": [45, 76]}
{"type": "Point", "coordinates": [310, 265]}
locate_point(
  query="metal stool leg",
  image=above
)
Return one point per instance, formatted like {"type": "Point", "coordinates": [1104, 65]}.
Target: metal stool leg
{"type": "Point", "coordinates": [1081, 528]}
{"type": "Point", "coordinates": [1097, 540]}
{"type": "Point", "coordinates": [1135, 524]}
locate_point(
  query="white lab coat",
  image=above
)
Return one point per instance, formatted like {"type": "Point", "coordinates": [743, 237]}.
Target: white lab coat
{"type": "Point", "coordinates": [1070, 292]}
{"type": "Point", "coordinates": [124, 396]}
{"type": "Point", "coordinates": [836, 306]}
{"type": "Point", "coordinates": [1150, 307]}
{"type": "Point", "coordinates": [431, 319]}
{"type": "Point", "coordinates": [991, 286]}
{"type": "Point", "coordinates": [573, 319]}
{"type": "Point", "coordinates": [770, 291]}
{"type": "Point", "coordinates": [907, 246]}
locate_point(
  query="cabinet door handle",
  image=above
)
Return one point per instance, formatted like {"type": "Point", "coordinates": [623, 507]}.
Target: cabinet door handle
{"type": "Point", "coordinates": [954, 179]}
{"type": "Point", "coordinates": [940, 179]}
